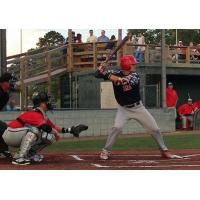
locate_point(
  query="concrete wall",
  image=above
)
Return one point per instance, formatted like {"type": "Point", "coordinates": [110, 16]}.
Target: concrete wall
{"type": "Point", "coordinates": [100, 121]}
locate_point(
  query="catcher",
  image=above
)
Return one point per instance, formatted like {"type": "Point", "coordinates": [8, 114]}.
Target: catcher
{"type": "Point", "coordinates": [32, 131]}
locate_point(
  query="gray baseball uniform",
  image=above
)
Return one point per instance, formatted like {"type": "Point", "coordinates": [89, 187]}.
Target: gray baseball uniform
{"type": "Point", "coordinates": [130, 107]}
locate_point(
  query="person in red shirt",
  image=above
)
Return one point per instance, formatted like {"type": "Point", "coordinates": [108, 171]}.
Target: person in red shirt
{"type": "Point", "coordinates": [171, 96]}
{"type": "Point", "coordinates": [197, 104]}
{"type": "Point", "coordinates": [186, 112]}
{"type": "Point", "coordinates": [33, 130]}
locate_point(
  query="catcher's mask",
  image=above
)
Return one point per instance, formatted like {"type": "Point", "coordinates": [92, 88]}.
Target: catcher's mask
{"type": "Point", "coordinates": [10, 78]}
{"type": "Point", "coordinates": [43, 97]}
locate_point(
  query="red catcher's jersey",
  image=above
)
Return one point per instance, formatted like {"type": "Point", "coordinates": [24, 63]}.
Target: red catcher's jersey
{"type": "Point", "coordinates": [172, 97]}
{"type": "Point", "coordinates": [187, 109]}
{"type": "Point", "coordinates": [33, 118]}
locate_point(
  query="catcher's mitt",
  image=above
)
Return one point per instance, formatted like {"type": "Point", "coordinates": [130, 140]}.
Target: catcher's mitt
{"type": "Point", "coordinates": [76, 130]}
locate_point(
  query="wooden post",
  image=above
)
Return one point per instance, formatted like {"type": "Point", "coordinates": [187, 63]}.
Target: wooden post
{"type": "Point", "coordinates": [70, 50]}
{"type": "Point", "coordinates": [22, 85]}
{"type": "Point", "coordinates": [48, 58]}
{"type": "Point", "coordinates": [25, 86]}
{"type": "Point", "coordinates": [187, 55]}
{"type": "Point", "coordinates": [146, 55]}
{"type": "Point", "coordinates": [163, 74]}
{"type": "Point", "coordinates": [94, 55]}
{"type": "Point", "coordinates": [167, 55]}
{"type": "Point", "coordinates": [119, 53]}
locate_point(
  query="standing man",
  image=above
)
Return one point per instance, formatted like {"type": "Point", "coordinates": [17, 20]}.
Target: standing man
{"type": "Point", "coordinates": [171, 95]}
{"type": "Point", "coordinates": [140, 49]}
{"type": "Point", "coordinates": [7, 83]}
{"type": "Point", "coordinates": [91, 38]}
{"type": "Point", "coordinates": [103, 37]}
{"type": "Point", "coordinates": [126, 84]}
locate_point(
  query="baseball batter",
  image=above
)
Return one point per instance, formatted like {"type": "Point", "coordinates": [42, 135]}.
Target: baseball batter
{"type": "Point", "coordinates": [126, 83]}
{"type": "Point", "coordinates": [33, 130]}
{"type": "Point", "coordinates": [7, 84]}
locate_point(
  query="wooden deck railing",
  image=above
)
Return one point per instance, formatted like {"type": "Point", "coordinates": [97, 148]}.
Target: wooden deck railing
{"type": "Point", "coordinates": [42, 64]}
{"type": "Point", "coordinates": [82, 56]}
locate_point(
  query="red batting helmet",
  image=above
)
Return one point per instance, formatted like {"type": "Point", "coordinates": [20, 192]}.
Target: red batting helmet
{"type": "Point", "coordinates": [126, 62]}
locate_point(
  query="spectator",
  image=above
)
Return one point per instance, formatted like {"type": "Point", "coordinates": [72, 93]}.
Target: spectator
{"type": "Point", "coordinates": [171, 96]}
{"type": "Point", "coordinates": [197, 104]}
{"type": "Point", "coordinates": [140, 49]}
{"type": "Point", "coordinates": [186, 112]}
{"type": "Point", "coordinates": [130, 49]}
{"type": "Point", "coordinates": [66, 42]}
{"type": "Point", "coordinates": [78, 48]}
{"type": "Point", "coordinates": [73, 38]}
{"type": "Point", "coordinates": [78, 38]}
{"type": "Point", "coordinates": [11, 106]}
{"type": "Point", "coordinates": [157, 54]}
{"type": "Point", "coordinates": [91, 38]}
{"type": "Point", "coordinates": [131, 38]}
{"type": "Point", "coordinates": [111, 44]}
{"type": "Point", "coordinates": [194, 53]}
{"type": "Point", "coordinates": [103, 37]}
{"type": "Point", "coordinates": [180, 52]}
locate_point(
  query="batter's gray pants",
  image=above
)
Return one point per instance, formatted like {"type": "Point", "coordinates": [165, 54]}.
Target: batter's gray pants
{"type": "Point", "coordinates": [140, 114]}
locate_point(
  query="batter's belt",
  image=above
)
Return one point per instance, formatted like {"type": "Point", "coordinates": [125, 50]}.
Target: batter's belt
{"type": "Point", "coordinates": [133, 105]}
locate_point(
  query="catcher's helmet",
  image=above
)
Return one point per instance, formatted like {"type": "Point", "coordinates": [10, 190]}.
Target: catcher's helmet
{"type": "Point", "coordinates": [9, 77]}
{"type": "Point", "coordinates": [42, 97]}
{"type": "Point", "coordinates": [126, 62]}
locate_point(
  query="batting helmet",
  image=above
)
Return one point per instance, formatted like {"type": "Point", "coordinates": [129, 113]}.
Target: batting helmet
{"type": "Point", "coordinates": [42, 97]}
{"type": "Point", "coordinates": [126, 62]}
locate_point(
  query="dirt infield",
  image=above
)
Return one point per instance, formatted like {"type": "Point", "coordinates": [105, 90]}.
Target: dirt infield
{"type": "Point", "coordinates": [120, 160]}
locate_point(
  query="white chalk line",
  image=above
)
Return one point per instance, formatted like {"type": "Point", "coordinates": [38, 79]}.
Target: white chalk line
{"type": "Point", "coordinates": [139, 155]}
{"type": "Point", "coordinates": [192, 155]}
{"type": "Point", "coordinates": [143, 166]}
{"type": "Point", "coordinates": [117, 155]}
{"type": "Point", "coordinates": [76, 157]}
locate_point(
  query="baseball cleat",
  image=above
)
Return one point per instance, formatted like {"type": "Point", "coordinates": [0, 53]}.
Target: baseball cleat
{"type": "Point", "coordinates": [37, 158]}
{"type": "Point", "coordinates": [168, 155]}
{"type": "Point", "coordinates": [5, 154]}
{"type": "Point", "coordinates": [21, 161]}
{"type": "Point", "coordinates": [104, 155]}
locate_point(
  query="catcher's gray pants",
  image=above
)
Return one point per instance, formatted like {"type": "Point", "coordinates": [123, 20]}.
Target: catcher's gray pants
{"type": "Point", "coordinates": [13, 136]}
{"type": "Point", "coordinates": [28, 139]}
{"type": "Point", "coordinates": [140, 114]}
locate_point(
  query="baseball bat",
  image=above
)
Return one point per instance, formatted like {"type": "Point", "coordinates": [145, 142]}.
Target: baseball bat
{"type": "Point", "coordinates": [119, 46]}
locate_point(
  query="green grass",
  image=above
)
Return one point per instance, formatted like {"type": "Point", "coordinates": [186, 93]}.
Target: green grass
{"type": "Point", "coordinates": [173, 142]}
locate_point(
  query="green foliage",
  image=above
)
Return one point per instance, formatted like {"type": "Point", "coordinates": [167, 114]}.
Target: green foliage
{"type": "Point", "coordinates": [52, 38]}
{"type": "Point", "coordinates": [153, 36]}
